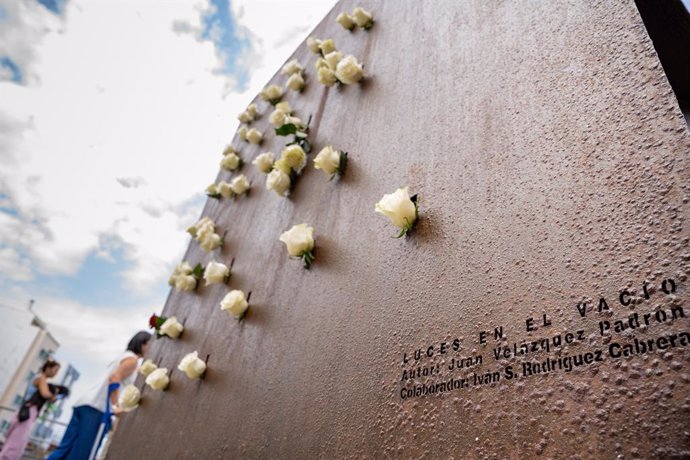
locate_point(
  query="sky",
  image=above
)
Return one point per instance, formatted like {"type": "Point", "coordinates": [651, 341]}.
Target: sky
{"type": "Point", "coordinates": [113, 114]}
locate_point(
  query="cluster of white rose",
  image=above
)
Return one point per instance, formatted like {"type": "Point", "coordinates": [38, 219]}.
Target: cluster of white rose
{"type": "Point", "coordinates": [359, 18]}
{"type": "Point", "coordinates": [332, 67]}
{"type": "Point", "coordinates": [183, 278]}
{"type": "Point", "coordinates": [204, 232]}
{"type": "Point", "coordinates": [293, 70]}
{"type": "Point", "coordinates": [237, 186]}
{"type": "Point", "coordinates": [231, 160]}
{"type": "Point", "coordinates": [250, 114]}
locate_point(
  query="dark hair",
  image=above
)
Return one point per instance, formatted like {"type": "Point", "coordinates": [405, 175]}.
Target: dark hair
{"type": "Point", "coordinates": [50, 363]}
{"type": "Point", "coordinates": [140, 339]}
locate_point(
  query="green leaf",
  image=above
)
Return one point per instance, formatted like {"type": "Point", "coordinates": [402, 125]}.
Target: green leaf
{"type": "Point", "coordinates": [198, 271]}
{"type": "Point", "coordinates": [286, 129]}
{"type": "Point", "coordinates": [214, 195]}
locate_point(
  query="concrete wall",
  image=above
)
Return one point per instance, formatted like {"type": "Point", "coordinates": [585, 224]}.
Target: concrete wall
{"type": "Point", "coordinates": [551, 161]}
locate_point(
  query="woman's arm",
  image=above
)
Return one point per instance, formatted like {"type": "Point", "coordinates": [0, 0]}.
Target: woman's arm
{"type": "Point", "coordinates": [126, 367]}
{"type": "Point", "coordinates": [41, 382]}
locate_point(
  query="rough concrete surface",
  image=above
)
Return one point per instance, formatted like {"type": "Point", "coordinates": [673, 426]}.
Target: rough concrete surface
{"type": "Point", "coordinates": [551, 162]}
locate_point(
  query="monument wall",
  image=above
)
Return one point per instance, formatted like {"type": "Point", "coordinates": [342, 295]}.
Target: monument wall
{"type": "Point", "coordinates": [538, 308]}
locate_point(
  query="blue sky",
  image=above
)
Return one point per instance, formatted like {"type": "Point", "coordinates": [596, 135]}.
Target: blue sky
{"type": "Point", "coordinates": [93, 211]}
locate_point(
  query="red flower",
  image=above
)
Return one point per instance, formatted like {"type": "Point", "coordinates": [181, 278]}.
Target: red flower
{"type": "Point", "coordinates": [153, 321]}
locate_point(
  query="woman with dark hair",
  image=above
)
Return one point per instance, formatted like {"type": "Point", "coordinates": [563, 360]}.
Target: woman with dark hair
{"type": "Point", "coordinates": [18, 434]}
{"type": "Point", "coordinates": [83, 430]}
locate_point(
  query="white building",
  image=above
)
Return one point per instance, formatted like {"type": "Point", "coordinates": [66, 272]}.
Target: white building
{"type": "Point", "coordinates": [25, 345]}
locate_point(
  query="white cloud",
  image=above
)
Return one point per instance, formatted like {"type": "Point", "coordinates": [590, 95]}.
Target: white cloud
{"type": "Point", "coordinates": [24, 25]}
{"type": "Point", "coordinates": [111, 148]}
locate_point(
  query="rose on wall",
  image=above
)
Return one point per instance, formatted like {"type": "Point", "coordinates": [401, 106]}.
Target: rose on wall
{"type": "Point", "coordinates": [279, 182]}
{"type": "Point", "coordinates": [212, 191]}
{"type": "Point", "coordinates": [294, 157]}
{"type": "Point", "coordinates": [272, 94]}
{"type": "Point", "coordinates": [346, 21]}
{"type": "Point", "coordinates": [363, 18]}
{"type": "Point", "coordinates": [264, 162]}
{"type": "Point", "coordinates": [192, 366]}
{"type": "Point", "coordinates": [400, 208]}
{"type": "Point", "coordinates": [249, 115]}
{"type": "Point", "coordinates": [360, 17]}
{"type": "Point", "coordinates": [331, 161]}
{"type": "Point", "coordinates": [169, 327]}
{"type": "Point", "coordinates": [299, 241]}
{"type": "Point", "coordinates": [293, 70]}
{"type": "Point", "coordinates": [238, 186]}
{"type": "Point", "coordinates": [158, 379]}
{"type": "Point", "coordinates": [147, 367]}
{"type": "Point", "coordinates": [327, 46]}
{"type": "Point", "coordinates": [235, 303]}
{"type": "Point", "coordinates": [216, 273]}
{"type": "Point", "coordinates": [242, 132]}
{"type": "Point", "coordinates": [296, 82]}
{"type": "Point", "coordinates": [291, 67]}
{"type": "Point", "coordinates": [349, 71]}
{"type": "Point", "coordinates": [204, 232]}
{"type": "Point", "coordinates": [185, 278]}
{"type": "Point", "coordinates": [314, 45]}
{"type": "Point", "coordinates": [231, 162]}
{"type": "Point", "coordinates": [254, 136]}
{"type": "Point", "coordinates": [129, 398]}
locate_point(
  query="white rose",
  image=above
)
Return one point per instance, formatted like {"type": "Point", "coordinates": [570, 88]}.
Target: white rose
{"type": "Point", "coordinates": [230, 162]}
{"type": "Point", "coordinates": [245, 117]}
{"type": "Point", "coordinates": [264, 162]}
{"type": "Point", "coordinates": [327, 46]}
{"type": "Point", "coordinates": [278, 118]}
{"type": "Point", "coordinates": [291, 68]}
{"type": "Point", "coordinates": [194, 229]}
{"type": "Point", "coordinates": [254, 136]}
{"type": "Point", "coordinates": [216, 273]}
{"type": "Point", "coordinates": [210, 241]}
{"type": "Point", "coordinates": [234, 303]}
{"type": "Point", "coordinates": [129, 397]}
{"type": "Point", "coordinates": [299, 239]}
{"type": "Point", "coordinates": [182, 268]}
{"type": "Point", "coordinates": [295, 82]}
{"type": "Point", "coordinates": [158, 379]}
{"type": "Point", "coordinates": [242, 132]}
{"type": "Point", "coordinates": [224, 189]}
{"type": "Point", "coordinates": [204, 226]}
{"type": "Point", "coordinates": [278, 181]}
{"type": "Point", "coordinates": [314, 45]}
{"type": "Point", "coordinates": [185, 283]}
{"type": "Point", "coordinates": [294, 157]}
{"type": "Point", "coordinates": [271, 93]}
{"type": "Point", "coordinates": [363, 18]}
{"type": "Point", "coordinates": [320, 62]}
{"type": "Point", "coordinates": [228, 150]}
{"type": "Point", "coordinates": [326, 76]}
{"type": "Point", "coordinates": [345, 20]}
{"type": "Point", "coordinates": [398, 207]}
{"type": "Point", "coordinates": [253, 111]}
{"type": "Point", "coordinates": [349, 71]}
{"type": "Point", "coordinates": [239, 184]}
{"type": "Point", "coordinates": [332, 59]}
{"type": "Point", "coordinates": [328, 160]}
{"type": "Point", "coordinates": [212, 189]}
{"type": "Point", "coordinates": [284, 106]}
{"type": "Point", "coordinates": [147, 367]}
{"type": "Point", "coordinates": [171, 327]}
{"type": "Point", "coordinates": [192, 365]}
